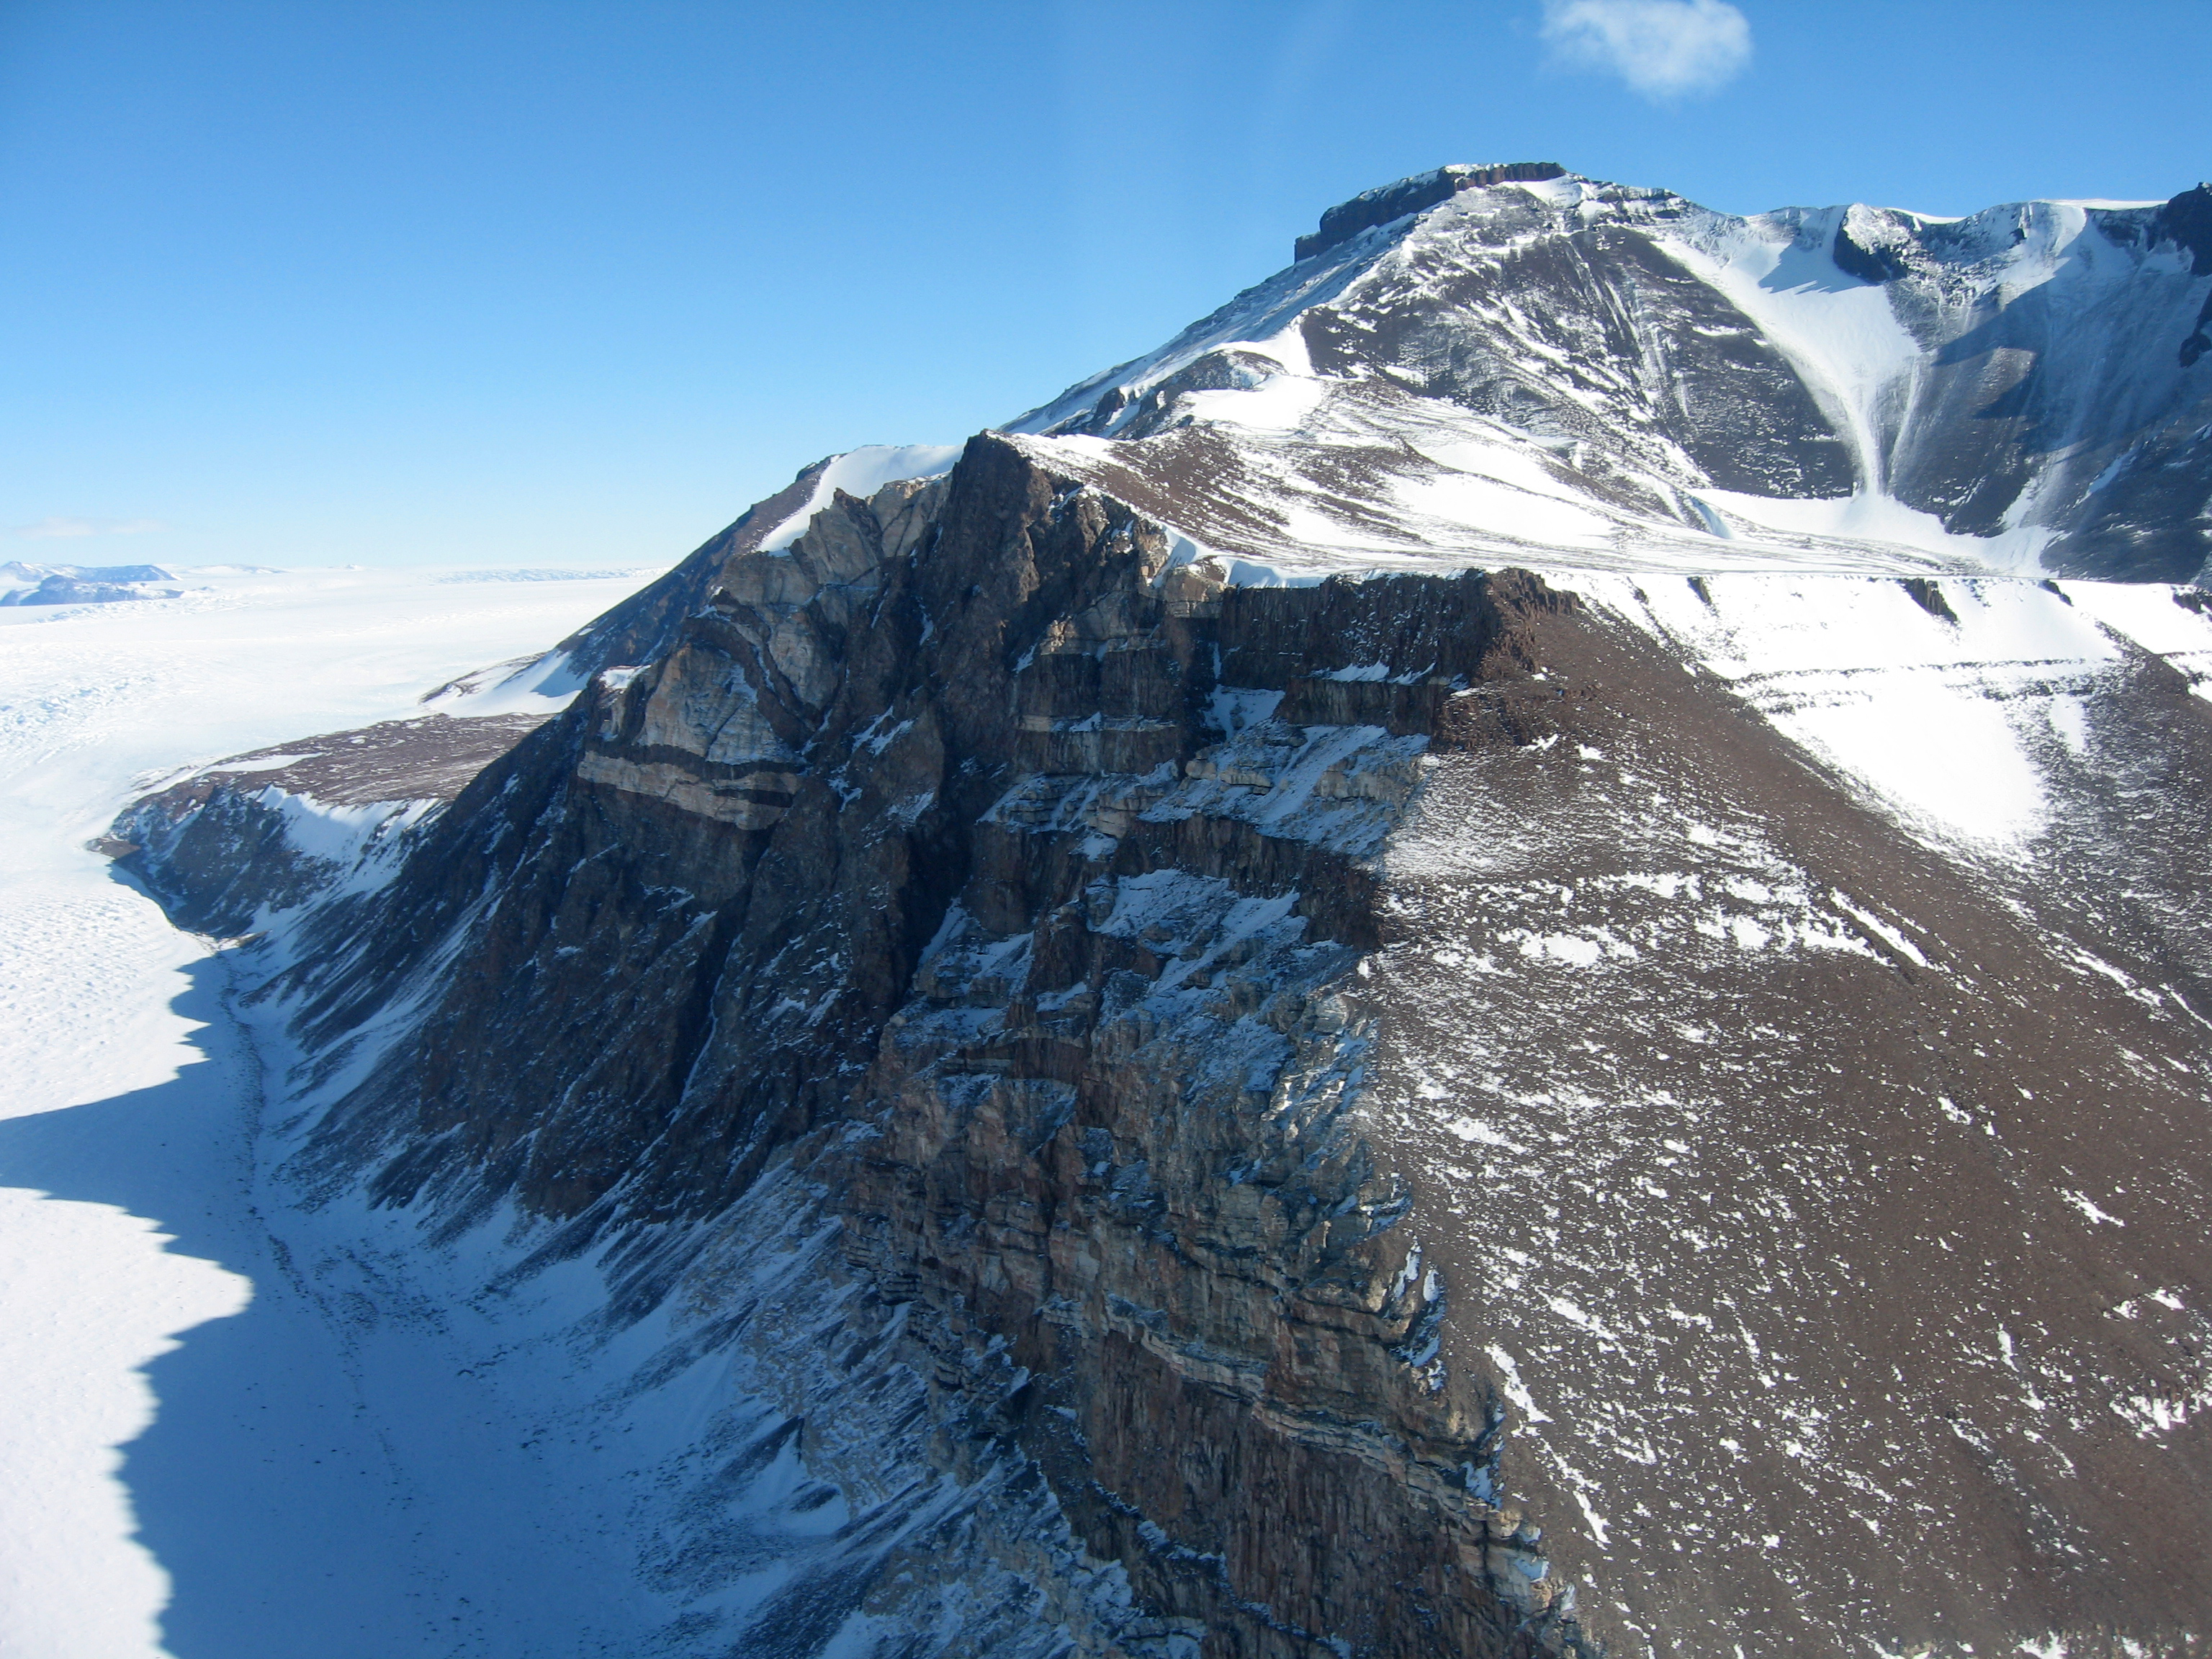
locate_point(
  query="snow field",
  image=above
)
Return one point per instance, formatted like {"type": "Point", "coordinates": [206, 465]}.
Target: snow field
{"type": "Point", "coordinates": [861, 473]}
{"type": "Point", "coordinates": [1947, 720]}
{"type": "Point", "coordinates": [190, 1464]}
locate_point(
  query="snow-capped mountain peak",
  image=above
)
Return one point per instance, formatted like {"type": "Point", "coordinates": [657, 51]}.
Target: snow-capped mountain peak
{"type": "Point", "coordinates": [1528, 364]}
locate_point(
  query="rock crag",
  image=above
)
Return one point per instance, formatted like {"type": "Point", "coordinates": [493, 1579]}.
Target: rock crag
{"type": "Point", "coordinates": [1428, 1110]}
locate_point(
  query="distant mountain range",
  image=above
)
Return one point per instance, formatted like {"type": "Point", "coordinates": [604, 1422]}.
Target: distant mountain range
{"type": "Point", "coordinates": [81, 584]}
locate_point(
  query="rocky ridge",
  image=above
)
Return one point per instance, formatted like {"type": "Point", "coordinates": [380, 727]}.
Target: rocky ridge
{"type": "Point", "coordinates": [1370, 1116]}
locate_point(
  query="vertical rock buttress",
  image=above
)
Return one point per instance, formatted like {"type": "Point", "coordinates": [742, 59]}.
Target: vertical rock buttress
{"type": "Point", "coordinates": [995, 872]}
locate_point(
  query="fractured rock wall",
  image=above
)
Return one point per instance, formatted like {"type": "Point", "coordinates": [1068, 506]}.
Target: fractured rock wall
{"type": "Point", "coordinates": [1163, 990]}
{"type": "Point", "coordinates": [919, 864]}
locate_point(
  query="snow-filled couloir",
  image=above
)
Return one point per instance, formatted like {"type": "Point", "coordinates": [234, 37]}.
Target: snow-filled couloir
{"type": "Point", "coordinates": [1621, 376]}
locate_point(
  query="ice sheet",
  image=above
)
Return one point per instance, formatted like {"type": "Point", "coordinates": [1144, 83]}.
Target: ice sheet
{"type": "Point", "coordinates": [127, 1226]}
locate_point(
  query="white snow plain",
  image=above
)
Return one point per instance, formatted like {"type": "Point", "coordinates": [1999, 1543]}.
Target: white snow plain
{"type": "Point", "coordinates": [189, 1461]}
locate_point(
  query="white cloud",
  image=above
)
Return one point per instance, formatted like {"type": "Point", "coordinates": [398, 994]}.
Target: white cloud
{"type": "Point", "coordinates": [59, 529]}
{"type": "Point", "coordinates": [1662, 48]}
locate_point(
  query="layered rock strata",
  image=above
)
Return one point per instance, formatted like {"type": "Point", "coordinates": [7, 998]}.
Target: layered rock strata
{"type": "Point", "coordinates": [1319, 1114]}
{"type": "Point", "coordinates": [223, 846]}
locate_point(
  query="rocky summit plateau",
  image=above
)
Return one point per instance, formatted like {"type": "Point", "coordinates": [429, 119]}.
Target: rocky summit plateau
{"type": "Point", "coordinates": [1509, 955]}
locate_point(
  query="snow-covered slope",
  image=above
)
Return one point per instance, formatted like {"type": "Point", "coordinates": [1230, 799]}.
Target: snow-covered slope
{"type": "Point", "coordinates": [205, 1449]}
{"type": "Point", "coordinates": [1620, 376]}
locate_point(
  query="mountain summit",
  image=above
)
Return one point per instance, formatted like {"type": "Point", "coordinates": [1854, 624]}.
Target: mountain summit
{"type": "Point", "coordinates": [1384, 203]}
{"type": "Point", "coordinates": [1515, 362]}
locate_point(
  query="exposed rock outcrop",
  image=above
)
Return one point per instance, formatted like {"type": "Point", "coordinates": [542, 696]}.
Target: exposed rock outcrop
{"type": "Point", "coordinates": [1318, 1113]}
{"type": "Point", "coordinates": [1492, 369]}
{"type": "Point", "coordinates": [225, 844]}
{"type": "Point", "coordinates": [1423, 190]}
{"type": "Point", "coordinates": [901, 867]}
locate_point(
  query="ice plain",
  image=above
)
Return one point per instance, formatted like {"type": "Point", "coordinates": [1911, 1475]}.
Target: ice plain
{"type": "Point", "coordinates": [200, 1457]}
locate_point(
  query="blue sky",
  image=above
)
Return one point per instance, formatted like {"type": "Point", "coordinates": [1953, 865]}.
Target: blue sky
{"type": "Point", "coordinates": [564, 283]}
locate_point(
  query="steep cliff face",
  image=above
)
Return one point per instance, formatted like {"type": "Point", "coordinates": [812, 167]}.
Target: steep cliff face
{"type": "Point", "coordinates": [891, 872]}
{"type": "Point", "coordinates": [1162, 1081]}
{"type": "Point", "coordinates": [271, 831]}
{"type": "Point", "coordinates": [1375, 1116]}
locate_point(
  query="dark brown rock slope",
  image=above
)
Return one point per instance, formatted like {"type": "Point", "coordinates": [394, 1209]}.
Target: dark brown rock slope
{"type": "Point", "coordinates": [1419, 1125]}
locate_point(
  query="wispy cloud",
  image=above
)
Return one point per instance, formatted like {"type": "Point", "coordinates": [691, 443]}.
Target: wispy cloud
{"type": "Point", "coordinates": [61, 530]}
{"type": "Point", "coordinates": [1662, 48]}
